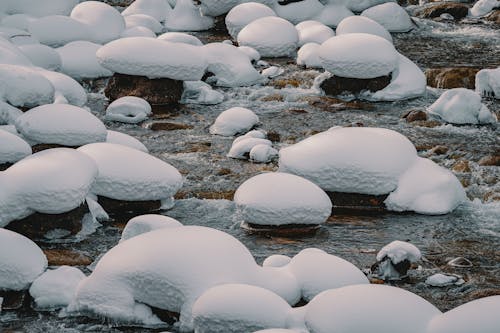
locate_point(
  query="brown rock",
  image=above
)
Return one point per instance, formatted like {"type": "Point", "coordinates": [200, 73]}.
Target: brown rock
{"type": "Point", "coordinates": [439, 150]}
{"type": "Point", "coordinates": [273, 136]}
{"type": "Point", "coordinates": [349, 202]}
{"type": "Point", "coordinates": [273, 98]}
{"type": "Point", "coordinates": [447, 78]}
{"type": "Point", "coordinates": [490, 160]}
{"type": "Point", "coordinates": [286, 230]}
{"type": "Point", "coordinates": [337, 85]}
{"type": "Point", "coordinates": [457, 10]}
{"type": "Point", "coordinates": [5, 166]}
{"type": "Point", "coordinates": [283, 83]}
{"type": "Point", "coordinates": [494, 16]}
{"type": "Point", "coordinates": [156, 91]}
{"type": "Point", "coordinates": [169, 126]}
{"type": "Point", "coordinates": [427, 123]}
{"type": "Point", "coordinates": [462, 166]}
{"type": "Point", "coordinates": [222, 195]}
{"type": "Point", "coordinates": [331, 104]}
{"type": "Point", "coordinates": [224, 172]}
{"type": "Point", "coordinates": [44, 146]}
{"type": "Point", "coordinates": [415, 115]}
{"type": "Point", "coordinates": [59, 257]}
{"type": "Point", "coordinates": [121, 207]}
{"type": "Point", "coordinates": [13, 300]}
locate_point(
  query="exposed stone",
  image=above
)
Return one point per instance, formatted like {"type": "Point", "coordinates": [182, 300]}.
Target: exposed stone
{"type": "Point", "coordinates": [273, 136]}
{"type": "Point", "coordinates": [120, 207]}
{"type": "Point", "coordinates": [37, 225]}
{"type": "Point", "coordinates": [438, 150]}
{"type": "Point", "coordinates": [331, 104]}
{"type": "Point", "coordinates": [415, 115]}
{"type": "Point", "coordinates": [285, 230]}
{"type": "Point", "coordinates": [156, 91]}
{"type": "Point", "coordinates": [348, 202]}
{"type": "Point", "coordinates": [223, 172]}
{"type": "Point", "coordinates": [5, 166]}
{"type": "Point", "coordinates": [221, 195]}
{"type": "Point", "coordinates": [494, 16]}
{"type": "Point", "coordinates": [427, 123]}
{"type": "Point", "coordinates": [59, 257]}
{"type": "Point", "coordinates": [461, 166]}
{"type": "Point", "coordinates": [457, 10]}
{"type": "Point", "coordinates": [13, 300]}
{"type": "Point", "coordinates": [447, 78]}
{"type": "Point", "coordinates": [273, 98]}
{"type": "Point", "coordinates": [490, 160]}
{"type": "Point", "coordinates": [43, 146]}
{"type": "Point", "coordinates": [337, 85]}
{"type": "Point", "coordinates": [164, 126]}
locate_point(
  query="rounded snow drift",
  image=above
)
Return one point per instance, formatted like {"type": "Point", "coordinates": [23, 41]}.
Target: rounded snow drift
{"type": "Point", "coordinates": [80, 62]}
{"type": "Point", "coordinates": [125, 140]}
{"type": "Point", "coordinates": [13, 148]}
{"type": "Point", "coordinates": [180, 37]}
{"type": "Point", "coordinates": [128, 109]}
{"type": "Point", "coordinates": [233, 121]}
{"type": "Point", "coordinates": [146, 223]}
{"type": "Point", "coordinates": [362, 25]}
{"type": "Point", "coordinates": [391, 16]}
{"type": "Point", "coordinates": [243, 14]}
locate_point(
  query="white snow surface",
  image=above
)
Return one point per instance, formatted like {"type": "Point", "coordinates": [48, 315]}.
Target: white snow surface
{"type": "Point", "coordinates": [315, 32]}
{"type": "Point", "coordinates": [128, 109]}
{"type": "Point", "coordinates": [8, 114]}
{"type": "Point", "coordinates": [360, 5]}
{"type": "Point", "coordinates": [480, 315]}
{"type": "Point", "coordinates": [488, 82]}
{"type": "Point", "coordinates": [260, 134]}
{"type": "Point", "coordinates": [153, 58]}
{"type": "Point", "coordinates": [308, 55]}
{"type": "Point", "coordinates": [13, 148]}
{"type": "Point", "coordinates": [391, 16]}
{"type": "Point", "coordinates": [143, 20]}
{"type": "Point", "coordinates": [298, 11]}
{"type": "Point", "coordinates": [62, 124]}
{"type": "Point", "coordinates": [243, 14]}
{"type": "Point", "coordinates": [131, 175]}
{"type": "Point", "coordinates": [281, 43]}
{"type": "Point", "coordinates": [39, 8]}
{"type": "Point", "coordinates": [483, 7]}
{"type": "Point", "coordinates": [138, 31]}
{"type": "Point", "coordinates": [42, 56]}
{"type": "Point", "coordinates": [240, 148]}
{"type": "Point", "coordinates": [358, 55]}
{"type": "Point", "coordinates": [398, 251]}
{"type": "Point", "coordinates": [369, 308]}
{"type": "Point", "coordinates": [158, 9]}
{"type": "Point", "coordinates": [58, 30]}
{"type": "Point", "coordinates": [333, 14]}
{"type": "Point", "coordinates": [277, 198]}
{"type": "Point", "coordinates": [442, 280]}
{"type": "Point", "coordinates": [187, 17]}
{"type": "Point", "coordinates": [80, 62]}
{"type": "Point", "coordinates": [125, 140]}
{"type": "Point", "coordinates": [199, 92]}
{"type": "Point", "coordinates": [56, 287]}
{"type": "Point", "coordinates": [217, 7]}
{"type": "Point", "coordinates": [21, 261]}
{"type": "Point", "coordinates": [461, 106]}
{"type": "Point", "coordinates": [364, 25]}
{"type": "Point", "coordinates": [18, 21]}
{"type": "Point", "coordinates": [180, 37]}
{"type": "Point", "coordinates": [10, 54]}
{"type": "Point", "coordinates": [262, 154]}
{"type": "Point", "coordinates": [233, 121]}
{"type": "Point", "coordinates": [276, 260]}
{"type": "Point", "coordinates": [427, 188]}
{"type": "Point", "coordinates": [354, 160]}
{"type": "Point", "coordinates": [146, 223]}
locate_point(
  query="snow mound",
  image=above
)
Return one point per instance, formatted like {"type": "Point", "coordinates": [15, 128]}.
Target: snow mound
{"type": "Point", "coordinates": [21, 261]}
{"type": "Point", "coordinates": [131, 175]}
{"type": "Point", "coordinates": [10, 54]}
{"type": "Point", "coordinates": [297, 12]}
{"type": "Point", "coordinates": [252, 134]}
{"type": "Point", "coordinates": [80, 62]}
{"type": "Point", "coordinates": [56, 288]}
{"type": "Point", "coordinates": [483, 7]}
{"type": "Point", "coordinates": [317, 271]}
{"type": "Point", "coordinates": [128, 109]}
{"type": "Point", "coordinates": [398, 251]}
{"type": "Point", "coordinates": [241, 149]}
{"type": "Point", "coordinates": [276, 260]}
{"type": "Point", "coordinates": [105, 22]}
{"type": "Point", "coordinates": [353, 309]}
{"type": "Point", "coordinates": [146, 223]}
{"type": "Point", "coordinates": [145, 21]}
{"type": "Point", "coordinates": [62, 124]}
{"type": "Point", "coordinates": [251, 53]}
{"type": "Point", "coordinates": [391, 16]}
{"type": "Point", "coordinates": [42, 56]}
{"type": "Point", "coordinates": [153, 58]}
{"type": "Point", "coordinates": [67, 90]}
{"type": "Point", "coordinates": [443, 280]}
{"type": "Point", "coordinates": [461, 106]}
{"type": "Point", "coordinates": [59, 30]}
{"type": "Point", "coordinates": [364, 25]}
{"type": "Point", "coordinates": [262, 153]}
{"type": "Point", "coordinates": [217, 7]}
{"type": "Point", "coordinates": [199, 92]}
{"type": "Point", "coordinates": [353, 159]}
{"type": "Point", "coordinates": [13, 148]}
{"type": "Point", "coordinates": [238, 308]}
{"type": "Point", "coordinates": [18, 21]}
{"type": "Point", "coordinates": [231, 67]}
{"type": "Point", "coordinates": [308, 55]}
{"type": "Point", "coordinates": [333, 14]}
{"type": "Point", "coordinates": [281, 43]}
{"type": "Point", "coordinates": [358, 55]}
{"type": "Point", "coordinates": [9, 114]}
{"type": "Point", "coordinates": [233, 121]}
{"type": "Point", "coordinates": [360, 5]}
{"type": "Point", "coordinates": [426, 188]}
{"type": "Point", "coordinates": [40, 8]}
{"type": "Point", "coordinates": [158, 9]}
{"type": "Point", "coordinates": [476, 316]}
{"type": "Point", "coordinates": [313, 32]}
{"type": "Point", "coordinates": [125, 140]}
{"type": "Point", "coordinates": [243, 14]}
{"type": "Point", "coordinates": [488, 82]}
{"type": "Point", "coordinates": [281, 199]}
{"type": "Point", "coordinates": [137, 32]}
{"type": "Point", "coordinates": [180, 37]}
{"type": "Point", "coordinates": [187, 17]}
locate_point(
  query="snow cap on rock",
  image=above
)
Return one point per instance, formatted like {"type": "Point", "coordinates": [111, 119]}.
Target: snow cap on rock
{"type": "Point", "coordinates": [146, 223]}
{"type": "Point", "coordinates": [233, 121]}
{"type": "Point", "coordinates": [128, 109]}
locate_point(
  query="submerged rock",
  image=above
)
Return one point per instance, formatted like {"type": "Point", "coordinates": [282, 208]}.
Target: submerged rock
{"type": "Point", "coordinates": [337, 85]}
{"type": "Point", "coordinates": [457, 10]}
{"type": "Point", "coordinates": [122, 207]}
{"type": "Point", "coordinates": [447, 78]}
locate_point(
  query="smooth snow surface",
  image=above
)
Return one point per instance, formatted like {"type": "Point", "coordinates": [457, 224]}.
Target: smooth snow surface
{"type": "Point", "coordinates": [146, 223]}
{"type": "Point", "coordinates": [125, 140]}
{"type": "Point", "coordinates": [39, 8]}
{"type": "Point", "coordinates": [488, 82]}
{"type": "Point", "coordinates": [56, 288]}
{"type": "Point", "coordinates": [158, 9]}
{"type": "Point", "coordinates": [391, 16]}
{"type": "Point", "coordinates": [298, 11]}
{"type": "Point", "coordinates": [483, 7]}
{"type": "Point", "coordinates": [18, 21]}
{"type": "Point", "coordinates": [138, 31]}
{"type": "Point", "coordinates": [443, 280]}
{"type": "Point", "coordinates": [199, 92]}
{"type": "Point", "coordinates": [240, 149]}
{"type": "Point", "coordinates": [262, 153]}
{"type": "Point", "coordinates": [360, 5]}
{"type": "Point", "coordinates": [66, 87]}
{"type": "Point", "coordinates": [333, 14]}
{"type": "Point", "coordinates": [9, 114]}
{"type": "Point", "coordinates": [145, 21]}
{"type": "Point", "coordinates": [313, 32]}
{"type": "Point", "coordinates": [369, 308]}
{"type": "Point", "coordinates": [62, 124]}
{"type": "Point", "coordinates": [217, 7]}
{"type": "Point", "coordinates": [238, 308]}
{"type": "Point", "coordinates": [276, 260]}
{"type": "Point", "coordinates": [59, 30]}
{"type": "Point", "coordinates": [10, 54]}
{"type": "Point", "coordinates": [281, 43]}
{"type": "Point", "coordinates": [80, 62]}
{"type": "Point", "coordinates": [461, 106]}
{"type": "Point", "coordinates": [12, 148]}
{"type": "Point", "coordinates": [364, 25]}
{"type": "Point", "coordinates": [233, 121]}
{"type": "Point", "coordinates": [128, 109]}
{"type": "Point", "coordinates": [187, 17]}
{"type": "Point", "coordinates": [398, 251]}
{"type": "Point", "coordinates": [21, 261]}
{"type": "Point", "coordinates": [153, 58]}
{"type": "Point", "coordinates": [353, 160]}
{"type": "Point", "coordinates": [131, 175]}
{"type": "Point", "coordinates": [42, 56]}
{"type": "Point", "coordinates": [243, 14]}
{"type": "Point", "coordinates": [277, 198]}
{"type": "Point", "coordinates": [308, 55]}
{"type": "Point", "coordinates": [180, 37]}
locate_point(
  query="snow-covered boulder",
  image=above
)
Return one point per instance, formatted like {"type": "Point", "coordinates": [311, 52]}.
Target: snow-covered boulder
{"type": "Point", "coordinates": [59, 30]}
{"type": "Point", "coordinates": [276, 260]}
{"type": "Point", "coordinates": [239, 308]}
{"type": "Point", "coordinates": [443, 280]}
{"type": "Point", "coordinates": [146, 223]}
{"type": "Point", "coordinates": [42, 56]}
{"type": "Point", "coordinates": [308, 55]}
{"type": "Point", "coordinates": [251, 53]}
{"type": "Point", "coordinates": [233, 121]}
{"type": "Point", "coordinates": [13, 148]}
{"type": "Point", "coordinates": [480, 315]}
{"type": "Point", "coordinates": [231, 67]}
{"type": "Point", "coordinates": [352, 159]}
{"type": "Point", "coordinates": [358, 55]}
{"type": "Point", "coordinates": [313, 32]}
{"type": "Point", "coordinates": [17, 36]}
{"type": "Point", "coordinates": [391, 16]}
{"type": "Point", "coordinates": [21, 261]}
{"type": "Point", "coordinates": [125, 140]}
{"type": "Point", "coordinates": [40, 8]}
{"type": "Point", "coordinates": [461, 106]}
{"type": "Point", "coordinates": [483, 7]}
{"type": "Point", "coordinates": [364, 25]}
{"type": "Point", "coordinates": [159, 9]}
{"type": "Point", "coordinates": [359, 5]}
{"type": "Point", "coordinates": [488, 82]}
{"type": "Point", "coordinates": [10, 54]}
{"type": "Point", "coordinates": [153, 58]}
{"type": "Point", "coordinates": [394, 260]}
{"type": "Point", "coordinates": [143, 20]}
{"type": "Point", "coordinates": [427, 188]}
{"type": "Point", "coordinates": [128, 109]}
{"type": "Point", "coordinates": [199, 92]}
{"type": "Point", "coordinates": [80, 62]}
{"type": "Point", "coordinates": [180, 37]}
{"type": "Point", "coordinates": [217, 7]}
{"type": "Point", "coordinates": [137, 31]}
{"type": "Point", "coordinates": [187, 17]}
{"type": "Point", "coordinates": [105, 22]}
{"type": "Point", "coordinates": [18, 21]}
{"type": "Point", "coordinates": [61, 124]}
{"type": "Point", "coordinates": [353, 309]}
{"type": "Point", "coordinates": [9, 114]}
{"type": "Point", "coordinates": [262, 153]}
{"type": "Point", "coordinates": [333, 14]}
{"type": "Point", "coordinates": [131, 175]}
{"type": "Point", "coordinates": [243, 14]}
{"type": "Point", "coordinates": [240, 149]}
{"type": "Point", "coordinates": [281, 43]}
{"type": "Point", "coordinates": [67, 89]}
{"type": "Point", "coordinates": [56, 287]}
{"type": "Point", "coordinates": [298, 11]}
{"type": "Point", "coordinates": [277, 198]}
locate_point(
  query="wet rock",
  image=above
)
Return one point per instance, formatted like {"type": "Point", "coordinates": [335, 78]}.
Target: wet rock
{"type": "Point", "coordinates": [490, 160]}
{"type": "Point", "coordinates": [43, 146]}
{"type": "Point", "coordinates": [37, 225]}
{"type": "Point", "coordinates": [462, 166]}
{"type": "Point", "coordinates": [415, 115]}
{"type": "Point", "coordinates": [273, 98]}
{"type": "Point", "coordinates": [285, 230]}
{"type": "Point", "coordinates": [224, 172]}
{"type": "Point", "coordinates": [408, 2]}
{"type": "Point", "coordinates": [221, 195]}
{"type": "Point", "coordinates": [457, 10]}
{"type": "Point", "coordinates": [5, 166]}
{"type": "Point", "coordinates": [273, 136]}
{"type": "Point", "coordinates": [166, 316]}
{"type": "Point", "coordinates": [163, 126]}
{"type": "Point", "coordinates": [460, 262]}
{"type": "Point", "coordinates": [349, 202]}
{"type": "Point", "coordinates": [120, 207]}
{"type": "Point", "coordinates": [494, 16]}
{"type": "Point", "coordinates": [156, 91]}
{"type": "Point", "coordinates": [13, 300]}
{"type": "Point", "coordinates": [59, 257]}
{"type": "Point", "coordinates": [427, 123]}
{"type": "Point", "coordinates": [284, 83]}
{"type": "Point", "coordinates": [331, 104]}
{"type": "Point", "coordinates": [447, 78]}
{"type": "Point", "coordinates": [438, 150]}
{"type": "Point", "coordinates": [337, 85]}
{"type": "Point", "coordinates": [197, 147]}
